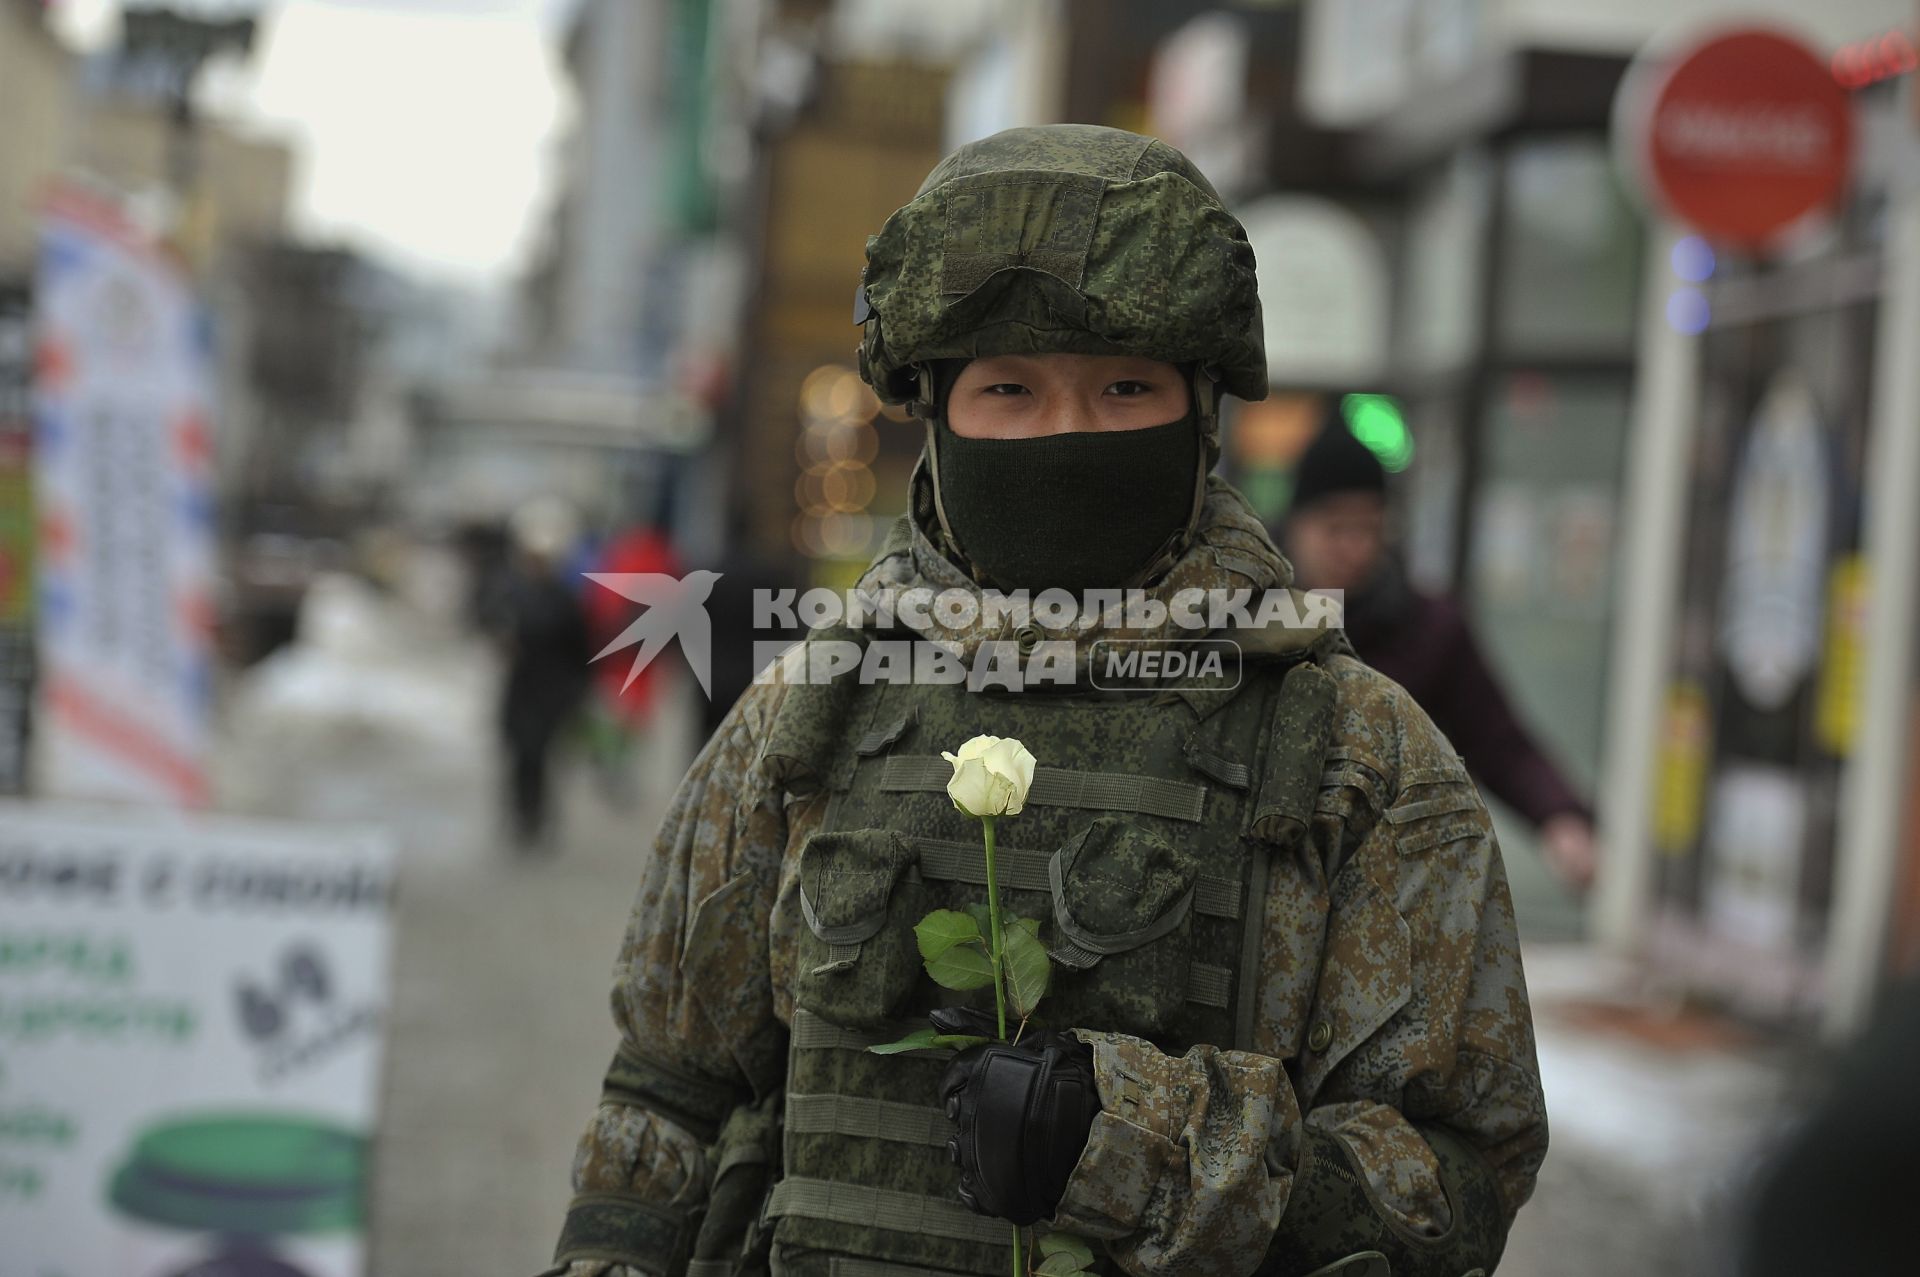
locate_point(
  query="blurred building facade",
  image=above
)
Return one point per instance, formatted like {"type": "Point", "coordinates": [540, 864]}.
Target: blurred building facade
{"type": "Point", "coordinates": [1648, 468]}
{"type": "Point", "coordinates": [629, 317]}
{"type": "Point", "coordinates": [36, 88]}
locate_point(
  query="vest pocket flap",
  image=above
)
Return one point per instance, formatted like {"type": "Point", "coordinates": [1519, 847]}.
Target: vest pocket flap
{"type": "Point", "coordinates": [860, 895]}
{"type": "Point", "coordinates": [1123, 908]}
{"type": "Point", "coordinates": [846, 879]}
{"type": "Point", "coordinates": [1116, 887]}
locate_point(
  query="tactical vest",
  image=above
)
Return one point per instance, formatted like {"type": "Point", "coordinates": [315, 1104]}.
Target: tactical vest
{"type": "Point", "coordinates": [1142, 851]}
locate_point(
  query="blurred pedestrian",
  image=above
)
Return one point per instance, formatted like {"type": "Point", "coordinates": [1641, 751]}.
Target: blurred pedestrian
{"type": "Point", "coordinates": [625, 703]}
{"type": "Point", "coordinates": [1335, 534]}
{"type": "Point", "coordinates": [547, 654]}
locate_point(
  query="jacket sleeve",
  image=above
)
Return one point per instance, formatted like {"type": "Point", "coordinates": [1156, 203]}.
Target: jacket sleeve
{"type": "Point", "coordinates": [1418, 1143]}
{"type": "Point", "coordinates": [699, 1044]}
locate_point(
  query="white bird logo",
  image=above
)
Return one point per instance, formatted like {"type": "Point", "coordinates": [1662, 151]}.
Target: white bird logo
{"type": "Point", "coordinates": [675, 607]}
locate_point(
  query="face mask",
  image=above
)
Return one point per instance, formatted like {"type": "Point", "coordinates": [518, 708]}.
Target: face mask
{"type": "Point", "coordinates": [1078, 511]}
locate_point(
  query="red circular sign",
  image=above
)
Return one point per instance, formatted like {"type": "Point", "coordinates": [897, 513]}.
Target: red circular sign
{"type": "Point", "coordinates": [1746, 133]}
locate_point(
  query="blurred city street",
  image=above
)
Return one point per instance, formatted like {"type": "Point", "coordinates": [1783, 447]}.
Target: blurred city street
{"type": "Point", "coordinates": [420, 420]}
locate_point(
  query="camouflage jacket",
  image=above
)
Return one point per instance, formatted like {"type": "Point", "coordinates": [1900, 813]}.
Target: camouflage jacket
{"type": "Point", "coordinates": [1392, 995]}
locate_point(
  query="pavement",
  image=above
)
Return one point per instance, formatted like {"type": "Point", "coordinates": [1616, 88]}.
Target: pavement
{"type": "Point", "coordinates": [499, 1028]}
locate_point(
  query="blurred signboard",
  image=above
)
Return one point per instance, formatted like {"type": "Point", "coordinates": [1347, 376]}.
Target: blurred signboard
{"type": "Point", "coordinates": [1777, 547]}
{"type": "Point", "coordinates": [191, 1018]}
{"type": "Point", "coordinates": [122, 481]}
{"type": "Point", "coordinates": [1756, 842]}
{"type": "Point", "coordinates": [1324, 291]}
{"type": "Point", "coordinates": [1740, 135]}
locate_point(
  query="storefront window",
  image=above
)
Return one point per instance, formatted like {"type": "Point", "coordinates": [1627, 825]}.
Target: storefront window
{"type": "Point", "coordinates": [1772, 601]}
{"type": "Point", "coordinates": [1570, 251]}
{"type": "Point", "coordinates": [1541, 558]}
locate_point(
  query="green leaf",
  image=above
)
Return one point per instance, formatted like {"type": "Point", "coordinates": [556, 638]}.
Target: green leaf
{"type": "Point", "coordinates": [1029, 969]}
{"type": "Point", "coordinates": [1030, 925]}
{"type": "Point", "coordinates": [942, 929]}
{"type": "Point", "coordinates": [982, 917]}
{"type": "Point", "coordinates": [918, 1040]}
{"type": "Point", "coordinates": [964, 966]}
{"type": "Point", "coordinates": [1063, 1264]}
{"type": "Point", "coordinates": [1064, 1243]}
{"type": "Point", "coordinates": [959, 1041]}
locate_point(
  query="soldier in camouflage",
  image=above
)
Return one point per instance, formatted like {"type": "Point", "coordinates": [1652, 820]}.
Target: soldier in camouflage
{"type": "Point", "coordinates": [1289, 1031]}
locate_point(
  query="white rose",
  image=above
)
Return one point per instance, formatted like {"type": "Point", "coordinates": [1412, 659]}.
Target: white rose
{"type": "Point", "coordinates": [991, 776]}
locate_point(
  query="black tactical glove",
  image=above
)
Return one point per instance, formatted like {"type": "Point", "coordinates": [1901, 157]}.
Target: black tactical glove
{"type": "Point", "coordinates": [1022, 1113]}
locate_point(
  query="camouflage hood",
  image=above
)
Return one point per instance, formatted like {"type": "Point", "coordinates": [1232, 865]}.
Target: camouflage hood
{"type": "Point", "coordinates": [1230, 552]}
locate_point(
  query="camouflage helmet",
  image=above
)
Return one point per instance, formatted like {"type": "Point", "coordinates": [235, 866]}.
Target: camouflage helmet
{"type": "Point", "coordinates": [1063, 238]}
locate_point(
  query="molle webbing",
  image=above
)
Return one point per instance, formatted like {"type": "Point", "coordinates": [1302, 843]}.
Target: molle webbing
{"type": "Point", "coordinates": [944, 859]}
{"type": "Point", "coordinates": [882, 736]}
{"type": "Point", "coordinates": [812, 1033]}
{"type": "Point", "coordinates": [1208, 985]}
{"type": "Point", "coordinates": [867, 1207]}
{"type": "Point", "coordinates": [640, 1081]}
{"type": "Point", "coordinates": [1061, 787]}
{"type": "Point", "coordinates": [846, 1266]}
{"type": "Point", "coordinates": [872, 1119]}
{"type": "Point", "coordinates": [1231, 774]}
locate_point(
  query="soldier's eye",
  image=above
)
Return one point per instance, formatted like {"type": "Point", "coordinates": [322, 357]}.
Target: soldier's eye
{"type": "Point", "coordinates": [1005, 388]}
{"type": "Point", "coordinates": [1131, 388]}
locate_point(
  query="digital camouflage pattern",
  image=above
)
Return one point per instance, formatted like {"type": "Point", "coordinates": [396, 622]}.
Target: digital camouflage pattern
{"type": "Point", "coordinates": [1065, 238]}
{"type": "Point", "coordinates": [1388, 1029]}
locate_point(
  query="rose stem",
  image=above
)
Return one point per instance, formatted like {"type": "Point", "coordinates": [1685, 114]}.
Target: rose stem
{"type": "Point", "coordinates": [993, 926]}
{"type": "Point", "coordinates": [999, 987]}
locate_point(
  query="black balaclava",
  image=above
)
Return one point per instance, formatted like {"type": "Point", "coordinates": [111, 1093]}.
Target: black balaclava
{"type": "Point", "coordinates": [1077, 511]}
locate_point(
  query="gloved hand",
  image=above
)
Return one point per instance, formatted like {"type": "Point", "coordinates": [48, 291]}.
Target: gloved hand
{"type": "Point", "coordinates": [1022, 1114]}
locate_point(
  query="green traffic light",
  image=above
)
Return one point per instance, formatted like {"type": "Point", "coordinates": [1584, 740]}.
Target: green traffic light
{"type": "Point", "coordinates": [1376, 421]}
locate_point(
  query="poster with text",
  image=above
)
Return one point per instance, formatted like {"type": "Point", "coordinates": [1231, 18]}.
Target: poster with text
{"type": "Point", "coordinates": [191, 1020]}
{"type": "Point", "coordinates": [122, 477]}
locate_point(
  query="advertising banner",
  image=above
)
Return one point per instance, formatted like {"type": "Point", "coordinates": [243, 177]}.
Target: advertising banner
{"type": "Point", "coordinates": [122, 485]}
{"type": "Point", "coordinates": [191, 1019]}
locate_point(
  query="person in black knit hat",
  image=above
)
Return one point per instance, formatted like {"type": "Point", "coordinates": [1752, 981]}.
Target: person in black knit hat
{"type": "Point", "coordinates": [1335, 534]}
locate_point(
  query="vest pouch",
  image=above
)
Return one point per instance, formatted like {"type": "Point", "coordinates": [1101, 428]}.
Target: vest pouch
{"type": "Point", "coordinates": [732, 1241]}
{"type": "Point", "coordinates": [860, 894]}
{"type": "Point", "coordinates": [1122, 931]}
